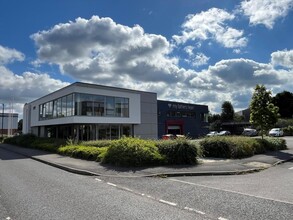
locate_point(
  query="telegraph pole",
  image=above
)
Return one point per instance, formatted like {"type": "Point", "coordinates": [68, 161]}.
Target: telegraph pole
{"type": "Point", "coordinates": [2, 118]}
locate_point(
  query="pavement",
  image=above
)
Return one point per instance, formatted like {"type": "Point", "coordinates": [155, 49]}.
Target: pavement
{"type": "Point", "coordinates": [206, 166]}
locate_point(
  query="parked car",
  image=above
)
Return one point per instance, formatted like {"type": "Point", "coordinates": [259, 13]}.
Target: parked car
{"type": "Point", "coordinates": [212, 133]}
{"type": "Point", "coordinates": [249, 132]}
{"type": "Point", "coordinates": [276, 132]}
{"type": "Point", "coordinates": [168, 137]}
{"type": "Point", "coordinates": [223, 133]}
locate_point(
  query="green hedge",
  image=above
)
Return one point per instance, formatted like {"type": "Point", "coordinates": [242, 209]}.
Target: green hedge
{"type": "Point", "coordinates": [129, 151]}
{"type": "Point", "coordinates": [137, 152]}
{"type": "Point", "coordinates": [179, 151]}
{"type": "Point", "coordinates": [83, 152]}
{"type": "Point", "coordinates": [239, 147]}
{"type": "Point", "coordinates": [32, 141]}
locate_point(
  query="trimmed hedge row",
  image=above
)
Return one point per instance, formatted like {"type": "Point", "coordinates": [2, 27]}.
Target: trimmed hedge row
{"type": "Point", "coordinates": [239, 147]}
{"type": "Point", "coordinates": [126, 151]}
{"type": "Point", "coordinates": [129, 151]}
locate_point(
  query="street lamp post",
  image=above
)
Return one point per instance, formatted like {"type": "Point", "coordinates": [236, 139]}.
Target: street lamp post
{"type": "Point", "coordinates": [2, 118]}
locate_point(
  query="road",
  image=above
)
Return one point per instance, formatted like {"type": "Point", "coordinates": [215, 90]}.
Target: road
{"type": "Point", "coordinates": [32, 190]}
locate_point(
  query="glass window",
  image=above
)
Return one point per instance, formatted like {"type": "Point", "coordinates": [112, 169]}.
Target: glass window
{"type": "Point", "coordinates": [59, 113]}
{"type": "Point", "coordinates": [55, 109]}
{"type": "Point", "coordinates": [204, 117]}
{"type": "Point", "coordinates": [110, 106]}
{"type": "Point", "coordinates": [98, 104]}
{"type": "Point", "coordinates": [69, 105]}
{"type": "Point", "coordinates": [63, 106]}
{"type": "Point", "coordinates": [86, 104]}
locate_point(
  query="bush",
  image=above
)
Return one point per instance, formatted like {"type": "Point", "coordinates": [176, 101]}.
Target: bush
{"type": "Point", "coordinates": [239, 147]}
{"type": "Point", "coordinates": [273, 144]}
{"type": "Point", "coordinates": [97, 143]}
{"type": "Point", "coordinates": [25, 140]}
{"type": "Point", "coordinates": [129, 151]}
{"type": "Point", "coordinates": [288, 130]}
{"type": "Point", "coordinates": [83, 152]}
{"type": "Point", "coordinates": [179, 151]}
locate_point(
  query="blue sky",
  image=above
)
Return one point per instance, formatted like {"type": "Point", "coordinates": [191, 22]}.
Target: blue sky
{"type": "Point", "coordinates": [194, 51]}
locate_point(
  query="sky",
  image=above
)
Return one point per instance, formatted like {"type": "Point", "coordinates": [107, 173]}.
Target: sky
{"type": "Point", "coordinates": [192, 51]}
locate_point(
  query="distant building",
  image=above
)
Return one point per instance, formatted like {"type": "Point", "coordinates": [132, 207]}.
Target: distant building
{"type": "Point", "coordinates": [182, 119]}
{"type": "Point", "coordinates": [245, 114]}
{"type": "Point", "coordinates": [9, 122]}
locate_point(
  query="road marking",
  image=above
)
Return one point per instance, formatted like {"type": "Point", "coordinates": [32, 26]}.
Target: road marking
{"type": "Point", "coordinates": [127, 189]}
{"type": "Point", "coordinates": [167, 202]}
{"type": "Point", "coordinates": [291, 168]}
{"type": "Point", "coordinates": [230, 191]}
{"type": "Point", "coordinates": [8, 218]}
{"type": "Point", "coordinates": [98, 179]}
{"type": "Point", "coordinates": [111, 184]}
{"type": "Point", "coordinates": [194, 210]}
{"type": "Point", "coordinates": [221, 218]}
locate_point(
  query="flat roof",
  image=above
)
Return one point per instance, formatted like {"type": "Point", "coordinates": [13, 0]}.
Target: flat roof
{"type": "Point", "coordinates": [91, 85]}
{"type": "Point", "coordinates": [183, 103]}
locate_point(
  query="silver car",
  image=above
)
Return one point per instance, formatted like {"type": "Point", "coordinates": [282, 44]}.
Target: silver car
{"type": "Point", "coordinates": [276, 132]}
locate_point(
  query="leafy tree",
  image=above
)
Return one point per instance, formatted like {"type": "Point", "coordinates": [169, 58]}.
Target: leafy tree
{"type": "Point", "coordinates": [20, 122]}
{"type": "Point", "coordinates": [215, 122]}
{"type": "Point", "coordinates": [284, 101]}
{"type": "Point", "coordinates": [227, 112]}
{"type": "Point", "coordinates": [263, 113]}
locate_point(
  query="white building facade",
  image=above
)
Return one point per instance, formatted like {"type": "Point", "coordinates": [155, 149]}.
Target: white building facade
{"type": "Point", "coordinates": [84, 111]}
{"type": "Point", "coordinates": [8, 123]}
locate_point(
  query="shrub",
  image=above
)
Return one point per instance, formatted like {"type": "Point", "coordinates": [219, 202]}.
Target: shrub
{"type": "Point", "coordinates": [179, 151]}
{"type": "Point", "coordinates": [288, 130]}
{"type": "Point", "coordinates": [83, 152]}
{"type": "Point", "coordinates": [129, 151]}
{"type": "Point", "coordinates": [273, 144]}
{"type": "Point", "coordinates": [239, 147]}
{"type": "Point", "coordinates": [25, 140]}
{"type": "Point", "coordinates": [97, 143]}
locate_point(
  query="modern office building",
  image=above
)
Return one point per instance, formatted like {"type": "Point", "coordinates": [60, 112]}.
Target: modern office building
{"type": "Point", "coordinates": [85, 111]}
{"type": "Point", "coordinates": [8, 123]}
{"type": "Point", "coordinates": [182, 119]}
{"type": "Point", "coordinates": [88, 112]}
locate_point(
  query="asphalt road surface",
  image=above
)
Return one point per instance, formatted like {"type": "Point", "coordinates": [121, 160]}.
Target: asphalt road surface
{"type": "Point", "coordinates": [31, 190]}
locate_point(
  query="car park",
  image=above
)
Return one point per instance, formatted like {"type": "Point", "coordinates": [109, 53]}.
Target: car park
{"type": "Point", "coordinates": [223, 133]}
{"type": "Point", "coordinates": [212, 133]}
{"type": "Point", "coordinates": [249, 132]}
{"type": "Point", "coordinates": [276, 132]}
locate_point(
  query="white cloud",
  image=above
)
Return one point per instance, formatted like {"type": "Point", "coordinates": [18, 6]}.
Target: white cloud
{"type": "Point", "coordinates": [189, 50]}
{"type": "Point", "coordinates": [199, 60]}
{"type": "Point", "coordinates": [26, 87]}
{"type": "Point", "coordinates": [211, 24]}
{"type": "Point", "coordinates": [283, 58]}
{"type": "Point", "coordinates": [8, 55]}
{"type": "Point", "coordinates": [99, 49]}
{"type": "Point", "coordinates": [16, 90]}
{"type": "Point", "coordinates": [265, 12]}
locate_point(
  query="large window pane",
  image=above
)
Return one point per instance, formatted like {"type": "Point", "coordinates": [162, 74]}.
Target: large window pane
{"type": "Point", "coordinates": [69, 105]}
{"type": "Point", "coordinates": [59, 113]}
{"type": "Point", "coordinates": [63, 111]}
{"type": "Point", "coordinates": [110, 108]}
{"type": "Point", "coordinates": [99, 105]}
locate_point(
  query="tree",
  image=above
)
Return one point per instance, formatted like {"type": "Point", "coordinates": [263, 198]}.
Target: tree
{"type": "Point", "coordinates": [20, 122]}
{"type": "Point", "coordinates": [215, 122]}
{"type": "Point", "coordinates": [227, 112]}
{"type": "Point", "coordinates": [284, 101]}
{"type": "Point", "coordinates": [263, 113]}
